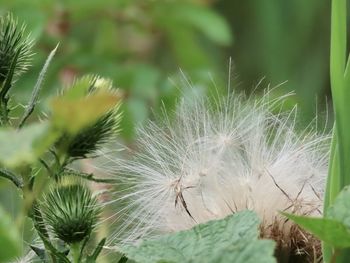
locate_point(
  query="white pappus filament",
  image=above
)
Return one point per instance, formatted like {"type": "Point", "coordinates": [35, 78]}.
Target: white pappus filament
{"type": "Point", "coordinates": [215, 157]}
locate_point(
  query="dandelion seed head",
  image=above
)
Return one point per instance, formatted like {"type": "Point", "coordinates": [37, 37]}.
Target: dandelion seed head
{"type": "Point", "coordinates": [216, 158]}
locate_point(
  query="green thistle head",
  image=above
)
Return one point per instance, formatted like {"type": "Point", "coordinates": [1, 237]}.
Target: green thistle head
{"type": "Point", "coordinates": [71, 212]}
{"type": "Point", "coordinates": [91, 138]}
{"type": "Point", "coordinates": [13, 43]}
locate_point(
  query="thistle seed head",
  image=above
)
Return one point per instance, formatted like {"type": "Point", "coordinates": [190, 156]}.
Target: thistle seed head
{"type": "Point", "coordinates": [217, 158]}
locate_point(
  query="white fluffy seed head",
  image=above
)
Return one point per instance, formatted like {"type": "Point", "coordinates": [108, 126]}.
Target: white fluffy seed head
{"type": "Point", "coordinates": [214, 158]}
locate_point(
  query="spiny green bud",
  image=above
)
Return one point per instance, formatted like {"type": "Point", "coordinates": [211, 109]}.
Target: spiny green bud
{"type": "Point", "coordinates": [92, 137]}
{"type": "Point", "coordinates": [13, 41]}
{"type": "Point", "coordinates": [71, 212]}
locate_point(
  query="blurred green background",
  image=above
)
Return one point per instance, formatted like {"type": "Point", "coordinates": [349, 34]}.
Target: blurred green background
{"type": "Point", "coordinates": [143, 44]}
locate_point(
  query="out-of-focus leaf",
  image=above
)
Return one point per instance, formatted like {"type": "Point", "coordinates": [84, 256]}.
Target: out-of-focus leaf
{"type": "Point", "coordinates": [135, 112]}
{"type": "Point", "coordinates": [9, 238]}
{"type": "Point", "coordinates": [235, 239]}
{"type": "Point", "coordinates": [145, 81]}
{"type": "Point", "coordinates": [20, 147]}
{"type": "Point", "coordinates": [92, 258]}
{"type": "Point", "coordinates": [340, 210]}
{"type": "Point", "coordinates": [206, 20]}
{"type": "Point", "coordinates": [33, 14]}
{"type": "Point", "coordinates": [191, 57]}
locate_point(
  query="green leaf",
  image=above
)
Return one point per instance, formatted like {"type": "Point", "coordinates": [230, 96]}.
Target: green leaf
{"type": "Point", "coordinates": [35, 93]}
{"type": "Point", "coordinates": [93, 257]}
{"type": "Point", "coordinates": [54, 251]}
{"type": "Point", "coordinates": [333, 179]}
{"type": "Point", "coordinates": [235, 239]}
{"type": "Point", "coordinates": [21, 147]}
{"type": "Point", "coordinates": [15, 179]}
{"type": "Point", "coordinates": [338, 175]}
{"type": "Point", "coordinates": [9, 238]}
{"type": "Point", "coordinates": [340, 210]}
{"type": "Point", "coordinates": [205, 20]}
{"type": "Point", "coordinates": [328, 230]}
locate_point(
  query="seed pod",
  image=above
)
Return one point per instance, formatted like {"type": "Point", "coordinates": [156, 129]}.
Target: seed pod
{"type": "Point", "coordinates": [71, 212]}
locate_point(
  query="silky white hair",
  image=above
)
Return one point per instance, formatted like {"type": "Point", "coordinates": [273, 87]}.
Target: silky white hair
{"type": "Point", "coordinates": [29, 257]}
{"type": "Point", "coordinates": [214, 157]}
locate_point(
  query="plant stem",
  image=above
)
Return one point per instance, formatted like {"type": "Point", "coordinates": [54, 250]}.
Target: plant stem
{"type": "Point", "coordinates": [10, 176]}
{"type": "Point", "coordinates": [339, 165]}
{"type": "Point", "coordinates": [89, 176]}
{"type": "Point", "coordinates": [75, 250]}
{"type": "Point", "coordinates": [4, 111]}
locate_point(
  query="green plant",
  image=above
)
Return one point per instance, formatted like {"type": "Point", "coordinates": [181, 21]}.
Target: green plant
{"type": "Point", "coordinates": [296, 31]}
{"type": "Point", "coordinates": [35, 157]}
{"type": "Point", "coordinates": [71, 212]}
{"type": "Point", "coordinates": [334, 229]}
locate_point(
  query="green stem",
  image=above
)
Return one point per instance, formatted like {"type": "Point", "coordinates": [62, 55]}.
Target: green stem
{"type": "Point", "coordinates": [339, 166]}
{"type": "Point", "coordinates": [89, 176]}
{"type": "Point", "coordinates": [4, 119]}
{"type": "Point", "coordinates": [10, 176]}
{"type": "Point", "coordinates": [75, 250]}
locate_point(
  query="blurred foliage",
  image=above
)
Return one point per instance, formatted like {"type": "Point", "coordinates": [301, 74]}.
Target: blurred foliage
{"type": "Point", "coordinates": [283, 41]}
{"type": "Point", "coordinates": [9, 245]}
{"type": "Point", "coordinates": [139, 44]}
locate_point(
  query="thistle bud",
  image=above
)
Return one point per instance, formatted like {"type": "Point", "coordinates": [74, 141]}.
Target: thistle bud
{"type": "Point", "coordinates": [71, 212]}
{"type": "Point", "coordinates": [13, 45]}
{"type": "Point", "coordinates": [92, 137]}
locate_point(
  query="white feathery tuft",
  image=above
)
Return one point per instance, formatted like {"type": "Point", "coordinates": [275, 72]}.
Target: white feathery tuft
{"type": "Point", "coordinates": [214, 158]}
{"type": "Point", "coordinates": [29, 257]}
